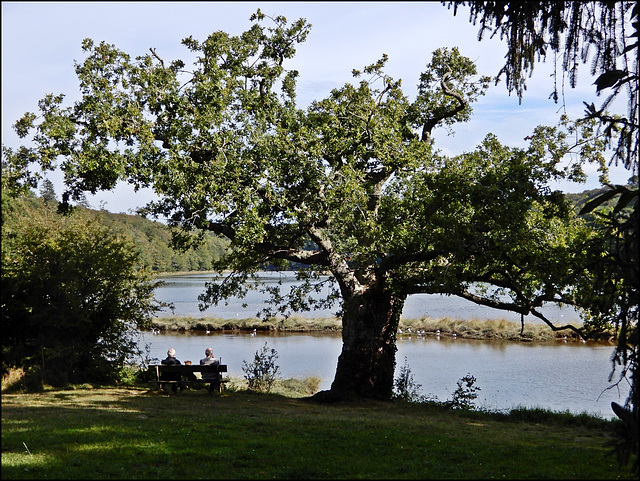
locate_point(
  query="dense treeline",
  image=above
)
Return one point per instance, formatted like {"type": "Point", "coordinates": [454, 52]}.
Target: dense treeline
{"type": "Point", "coordinates": [154, 241]}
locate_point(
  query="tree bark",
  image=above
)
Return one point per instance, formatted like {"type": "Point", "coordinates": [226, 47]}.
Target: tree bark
{"type": "Point", "coordinates": [367, 363]}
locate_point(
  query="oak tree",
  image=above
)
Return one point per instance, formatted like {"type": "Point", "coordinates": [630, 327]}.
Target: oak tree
{"type": "Point", "coordinates": [352, 187]}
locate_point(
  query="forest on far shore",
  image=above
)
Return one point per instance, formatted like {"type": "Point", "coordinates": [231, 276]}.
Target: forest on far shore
{"type": "Point", "coordinates": [152, 238]}
{"type": "Point", "coordinates": [154, 241]}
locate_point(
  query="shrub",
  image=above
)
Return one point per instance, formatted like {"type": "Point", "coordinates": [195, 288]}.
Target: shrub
{"type": "Point", "coordinates": [405, 387]}
{"type": "Point", "coordinates": [12, 377]}
{"type": "Point", "coordinates": [73, 297]}
{"type": "Point", "coordinates": [263, 371]}
{"type": "Point", "coordinates": [465, 395]}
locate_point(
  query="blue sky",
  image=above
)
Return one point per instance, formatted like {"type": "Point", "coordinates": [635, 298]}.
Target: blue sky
{"type": "Point", "coordinates": [41, 41]}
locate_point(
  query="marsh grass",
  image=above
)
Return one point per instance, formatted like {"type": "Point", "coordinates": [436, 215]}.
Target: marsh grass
{"type": "Point", "coordinates": [291, 324]}
{"type": "Point", "coordinates": [142, 434]}
{"type": "Point", "coordinates": [495, 329]}
{"type": "Point", "coordinates": [498, 329]}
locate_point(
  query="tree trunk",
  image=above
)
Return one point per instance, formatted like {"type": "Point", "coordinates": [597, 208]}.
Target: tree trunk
{"type": "Point", "coordinates": [367, 363]}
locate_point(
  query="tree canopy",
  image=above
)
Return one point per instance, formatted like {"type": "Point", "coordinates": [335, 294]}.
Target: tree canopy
{"type": "Point", "coordinates": [351, 187]}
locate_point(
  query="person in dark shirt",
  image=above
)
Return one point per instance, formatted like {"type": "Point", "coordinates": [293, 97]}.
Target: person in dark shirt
{"type": "Point", "coordinates": [171, 360]}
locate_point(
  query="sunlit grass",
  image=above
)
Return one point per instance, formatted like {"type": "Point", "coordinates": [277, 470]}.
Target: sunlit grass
{"type": "Point", "coordinates": [499, 329]}
{"type": "Point", "coordinates": [141, 434]}
{"type": "Point", "coordinates": [293, 323]}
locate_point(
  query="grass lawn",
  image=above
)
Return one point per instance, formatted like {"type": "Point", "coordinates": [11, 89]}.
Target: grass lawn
{"type": "Point", "coordinates": [131, 433]}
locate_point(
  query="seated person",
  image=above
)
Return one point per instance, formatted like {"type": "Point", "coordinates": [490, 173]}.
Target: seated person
{"type": "Point", "coordinates": [172, 376]}
{"type": "Point", "coordinates": [210, 376]}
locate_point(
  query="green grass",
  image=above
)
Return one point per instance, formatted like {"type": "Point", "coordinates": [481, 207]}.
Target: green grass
{"type": "Point", "coordinates": [135, 433]}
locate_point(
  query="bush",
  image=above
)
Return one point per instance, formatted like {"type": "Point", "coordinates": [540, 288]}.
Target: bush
{"type": "Point", "coordinates": [465, 395]}
{"type": "Point", "coordinates": [405, 387]}
{"type": "Point", "coordinates": [11, 378]}
{"type": "Point", "coordinates": [263, 371]}
{"type": "Point", "coordinates": [73, 297]}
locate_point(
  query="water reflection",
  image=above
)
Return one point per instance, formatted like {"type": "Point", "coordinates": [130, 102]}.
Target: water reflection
{"type": "Point", "coordinates": [559, 376]}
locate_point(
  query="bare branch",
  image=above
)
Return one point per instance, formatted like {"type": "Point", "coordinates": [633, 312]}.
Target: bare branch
{"type": "Point", "coordinates": [153, 52]}
{"type": "Point", "coordinates": [462, 104]}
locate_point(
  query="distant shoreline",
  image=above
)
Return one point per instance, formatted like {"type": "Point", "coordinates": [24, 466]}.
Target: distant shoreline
{"type": "Point", "coordinates": [473, 329]}
{"type": "Point", "coordinates": [488, 329]}
{"type": "Point", "coordinates": [184, 273]}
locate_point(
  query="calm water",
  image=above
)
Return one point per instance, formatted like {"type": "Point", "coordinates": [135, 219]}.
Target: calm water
{"type": "Point", "coordinates": [560, 375]}
{"type": "Point", "coordinates": [183, 291]}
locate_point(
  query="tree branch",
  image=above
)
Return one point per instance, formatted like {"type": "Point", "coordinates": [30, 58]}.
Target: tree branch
{"type": "Point", "coordinates": [222, 228]}
{"type": "Point", "coordinates": [431, 123]}
{"type": "Point", "coordinates": [337, 263]}
{"type": "Point", "coordinates": [294, 255]}
{"type": "Point", "coordinates": [554, 328]}
{"type": "Point", "coordinates": [393, 261]}
{"type": "Point", "coordinates": [153, 52]}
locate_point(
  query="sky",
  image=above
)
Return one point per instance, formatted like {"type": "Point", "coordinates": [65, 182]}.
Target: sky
{"type": "Point", "coordinates": [41, 41]}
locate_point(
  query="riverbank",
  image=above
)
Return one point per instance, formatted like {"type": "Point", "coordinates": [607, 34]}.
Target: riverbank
{"type": "Point", "coordinates": [136, 433]}
{"type": "Point", "coordinates": [474, 329]}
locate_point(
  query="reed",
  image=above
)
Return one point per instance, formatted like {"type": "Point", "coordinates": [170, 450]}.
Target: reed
{"type": "Point", "coordinates": [497, 329]}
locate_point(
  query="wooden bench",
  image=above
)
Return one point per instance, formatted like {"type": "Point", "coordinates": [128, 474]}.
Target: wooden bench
{"type": "Point", "coordinates": [188, 377]}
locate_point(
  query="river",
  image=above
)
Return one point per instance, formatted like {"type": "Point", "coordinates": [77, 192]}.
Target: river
{"type": "Point", "coordinates": [183, 290]}
{"type": "Point", "coordinates": [560, 375]}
